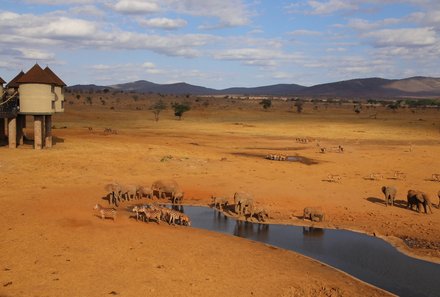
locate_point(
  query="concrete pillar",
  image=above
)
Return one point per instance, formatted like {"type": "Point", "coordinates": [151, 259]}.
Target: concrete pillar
{"type": "Point", "coordinates": [48, 130]}
{"type": "Point", "coordinates": [2, 130]}
{"type": "Point", "coordinates": [38, 132]}
{"type": "Point", "coordinates": [20, 129]}
{"type": "Point", "coordinates": [12, 132]}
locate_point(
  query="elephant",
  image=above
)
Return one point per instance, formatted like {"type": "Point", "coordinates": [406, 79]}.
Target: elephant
{"type": "Point", "coordinates": [242, 200]}
{"type": "Point", "coordinates": [314, 214]}
{"type": "Point", "coordinates": [162, 188]}
{"type": "Point", "coordinates": [260, 214]}
{"type": "Point", "coordinates": [114, 191]}
{"type": "Point", "coordinates": [390, 194]}
{"type": "Point", "coordinates": [144, 192]}
{"type": "Point", "coordinates": [219, 202]}
{"type": "Point", "coordinates": [177, 198]}
{"type": "Point", "coordinates": [128, 191]}
{"type": "Point", "coordinates": [419, 198]}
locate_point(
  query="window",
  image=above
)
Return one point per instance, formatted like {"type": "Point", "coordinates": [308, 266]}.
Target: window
{"type": "Point", "coordinates": [53, 104]}
{"type": "Point", "coordinates": [62, 104]}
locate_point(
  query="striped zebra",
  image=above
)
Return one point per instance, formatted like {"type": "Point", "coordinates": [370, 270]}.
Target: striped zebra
{"type": "Point", "coordinates": [185, 220]}
{"type": "Point", "coordinates": [152, 214]}
{"type": "Point", "coordinates": [106, 212]}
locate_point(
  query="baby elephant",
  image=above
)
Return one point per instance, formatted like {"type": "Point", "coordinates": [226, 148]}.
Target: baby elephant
{"type": "Point", "coordinates": [390, 194]}
{"type": "Point", "coordinates": [314, 214]}
{"type": "Point", "coordinates": [419, 199]}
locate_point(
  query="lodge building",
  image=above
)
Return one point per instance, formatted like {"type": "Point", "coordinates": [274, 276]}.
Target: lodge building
{"type": "Point", "coordinates": [38, 93]}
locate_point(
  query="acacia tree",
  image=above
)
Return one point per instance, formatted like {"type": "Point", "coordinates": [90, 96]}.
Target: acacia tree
{"type": "Point", "coordinates": [156, 108]}
{"type": "Point", "coordinates": [180, 108]}
{"type": "Point", "coordinates": [266, 103]}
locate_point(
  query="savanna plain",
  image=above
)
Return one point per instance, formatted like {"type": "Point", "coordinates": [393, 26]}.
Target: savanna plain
{"type": "Point", "coordinates": [54, 244]}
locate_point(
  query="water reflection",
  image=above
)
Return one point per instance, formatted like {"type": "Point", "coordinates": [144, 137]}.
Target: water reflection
{"type": "Point", "coordinates": [259, 232]}
{"type": "Point", "coordinates": [367, 258]}
{"type": "Point", "coordinates": [313, 232]}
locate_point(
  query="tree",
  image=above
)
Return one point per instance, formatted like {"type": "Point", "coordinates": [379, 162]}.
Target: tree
{"type": "Point", "coordinates": [299, 104]}
{"type": "Point", "coordinates": [266, 103]}
{"type": "Point", "coordinates": [156, 108]}
{"type": "Point", "coordinates": [180, 108]}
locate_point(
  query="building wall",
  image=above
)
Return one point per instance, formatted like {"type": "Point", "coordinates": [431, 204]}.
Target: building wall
{"type": "Point", "coordinates": [1, 90]}
{"type": "Point", "coordinates": [59, 99]}
{"type": "Point", "coordinates": [36, 99]}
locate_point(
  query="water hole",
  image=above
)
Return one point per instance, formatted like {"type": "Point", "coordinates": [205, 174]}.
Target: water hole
{"type": "Point", "coordinates": [369, 259]}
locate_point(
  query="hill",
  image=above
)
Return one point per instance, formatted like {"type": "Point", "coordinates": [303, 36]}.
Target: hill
{"type": "Point", "coordinates": [362, 87]}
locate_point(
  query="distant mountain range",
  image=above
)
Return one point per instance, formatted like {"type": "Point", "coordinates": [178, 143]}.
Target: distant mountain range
{"type": "Point", "coordinates": [364, 87]}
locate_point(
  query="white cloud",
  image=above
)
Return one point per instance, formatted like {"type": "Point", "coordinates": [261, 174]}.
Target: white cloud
{"type": "Point", "coordinates": [256, 56]}
{"type": "Point", "coordinates": [305, 33]}
{"type": "Point", "coordinates": [164, 23]}
{"type": "Point", "coordinates": [89, 10]}
{"type": "Point", "coordinates": [402, 37]}
{"type": "Point", "coordinates": [60, 2]}
{"type": "Point", "coordinates": [365, 25]}
{"type": "Point", "coordinates": [148, 65]}
{"type": "Point", "coordinates": [136, 6]}
{"type": "Point", "coordinates": [34, 54]}
{"type": "Point", "coordinates": [229, 12]}
{"type": "Point", "coordinates": [331, 6]}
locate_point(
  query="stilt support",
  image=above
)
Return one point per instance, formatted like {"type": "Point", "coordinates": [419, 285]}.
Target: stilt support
{"type": "Point", "coordinates": [20, 126]}
{"type": "Point", "coordinates": [2, 130]}
{"type": "Point", "coordinates": [38, 132]}
{"type": "Point", "coordinates": [48, 130]}
{"type": "Point", "coordinates": [12, 132]}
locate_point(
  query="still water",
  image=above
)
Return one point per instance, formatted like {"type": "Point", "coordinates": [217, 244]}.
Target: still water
{"type": "Point", "coordinates": [368, 258]}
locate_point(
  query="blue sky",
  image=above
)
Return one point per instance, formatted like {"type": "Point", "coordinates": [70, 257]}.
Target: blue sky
{"type": "Point", "coordinates": [221, 43]}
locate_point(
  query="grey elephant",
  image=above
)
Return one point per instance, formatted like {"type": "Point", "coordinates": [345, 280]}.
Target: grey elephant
{"type": "Point", "coordinates": [163, 187]}
{"type": "Point", "coordinates": [144, 192]}
{"type": "Point", "coordinates": [259, 213]}
{"type": "Point", "coordinates": [242, 200]}
{"type": "Point", "coordinates": [219, 202]}
{"type": "Point", "coordinates": [315, 214]}
{"type": "Point", "coordinates": [390, 194]}
{"type": "Point", "coordinates": [419, 198]}
{"type": "Point", "coordinates": [114, 192]}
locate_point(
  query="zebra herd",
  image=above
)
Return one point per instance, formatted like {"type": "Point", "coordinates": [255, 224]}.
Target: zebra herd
{"type": "Point", "coordinates": [158, 213]}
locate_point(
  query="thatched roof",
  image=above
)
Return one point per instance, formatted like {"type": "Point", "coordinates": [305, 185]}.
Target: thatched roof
{"type": "Point", "coordinates": [13, 83]}
{"type": "Point", "coordinates": [36, 75]}
{"type": "Point", "coordinates": [56, 79]}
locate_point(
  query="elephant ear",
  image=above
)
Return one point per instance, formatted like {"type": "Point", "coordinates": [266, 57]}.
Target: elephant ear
{"type": "Point", "coordinates": [383, 189]}
{"type": "Point", "coordinates": [419, 197]}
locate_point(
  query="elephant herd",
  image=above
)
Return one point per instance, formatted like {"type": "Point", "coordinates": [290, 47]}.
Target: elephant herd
{"type": "Point", "coordinates": [117, 192]}
{"type": "Point", "coordinates": [243, 206]}
{"type": "Point", "coordinates": [415, 198]}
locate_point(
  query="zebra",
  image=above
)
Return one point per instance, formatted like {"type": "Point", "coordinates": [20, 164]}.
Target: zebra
{"type": "Point", "coordinates": [152, 214]}
{"type": "Point", "coordinates": [105, 212]}
{"type": "Point", "coordinates": [185, 220]}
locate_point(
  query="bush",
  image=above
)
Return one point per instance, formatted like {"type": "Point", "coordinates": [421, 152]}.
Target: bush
{"type": "Point", "coordinates": [180, 109]}
{"type": "Point", "coordinates": [266, 103]}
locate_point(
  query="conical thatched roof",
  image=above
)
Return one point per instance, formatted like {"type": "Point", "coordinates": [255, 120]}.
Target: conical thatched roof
{"type": "Point", "coordinates": [1, 81]}
{"type": "Point", "coordinates": [36, 75]}
{"type": "Point", "coordinates": [13, 83]}
{"type": "Point", "coordinates": [55, 78]}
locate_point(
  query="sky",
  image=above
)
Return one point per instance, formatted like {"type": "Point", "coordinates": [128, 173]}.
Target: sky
{"type": "Point", "coordinates": [221, 43]}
